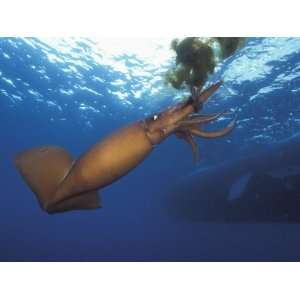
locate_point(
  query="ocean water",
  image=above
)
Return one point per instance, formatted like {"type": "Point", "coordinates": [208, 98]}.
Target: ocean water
{"type": "Point", "coordinates": [73, 92]}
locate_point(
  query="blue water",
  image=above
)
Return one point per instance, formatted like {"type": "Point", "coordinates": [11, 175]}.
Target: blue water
{"type": "Point", "coordinates": [73, 92]}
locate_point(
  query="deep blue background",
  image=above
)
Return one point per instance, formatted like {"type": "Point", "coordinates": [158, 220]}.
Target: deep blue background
{"type": "Point", "coordinates": [134, 223]}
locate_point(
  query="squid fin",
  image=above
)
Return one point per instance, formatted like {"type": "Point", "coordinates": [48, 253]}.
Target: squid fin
{"type": "Point", "coordinates": [43, 169]}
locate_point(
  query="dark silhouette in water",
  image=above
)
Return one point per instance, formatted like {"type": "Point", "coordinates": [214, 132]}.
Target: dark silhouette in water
{"type": "Point", "coordinates": [62, 184]}
{"type": "Point", "coordinates": [261, 188]}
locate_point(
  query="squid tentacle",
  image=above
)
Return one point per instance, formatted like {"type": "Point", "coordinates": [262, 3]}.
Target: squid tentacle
{"type": "Point", "coordinates": [213, 134]}
{"type": "Point", "coordinates": [200, 119]}
{"type": "Point", "coordinates": [190, 125]}
{"type": "Point", "coordinates": [204, 96]}
{"type": "Point", "coordinates": [188, 138]}
{"type": "Point", "coordinates": [198, 97]}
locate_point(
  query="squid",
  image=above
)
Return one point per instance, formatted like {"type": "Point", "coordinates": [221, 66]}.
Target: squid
{"type": "Point", "coordinates": [62, 184]}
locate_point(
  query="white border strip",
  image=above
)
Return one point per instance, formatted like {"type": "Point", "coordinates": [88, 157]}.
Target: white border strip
{"type": "Point", "coordinates": [156, 18]}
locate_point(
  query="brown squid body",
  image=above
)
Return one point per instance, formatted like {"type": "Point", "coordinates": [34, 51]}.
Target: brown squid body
{"type": "Point", "coordinates": [62, 184]}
